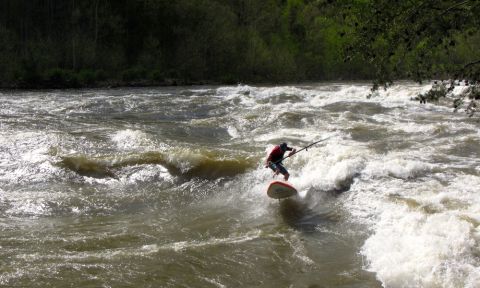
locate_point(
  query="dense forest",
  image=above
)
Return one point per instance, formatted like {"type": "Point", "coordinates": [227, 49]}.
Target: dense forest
{"type": "Point", "coordinates": [72, 43]}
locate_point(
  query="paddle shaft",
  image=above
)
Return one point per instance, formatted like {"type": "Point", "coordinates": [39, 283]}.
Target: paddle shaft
{"type": "Point", "coordinates": [304, 148]}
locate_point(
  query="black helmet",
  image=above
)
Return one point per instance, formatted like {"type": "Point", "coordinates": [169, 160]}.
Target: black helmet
{"type": "Point", "coordinates": [283, 146]}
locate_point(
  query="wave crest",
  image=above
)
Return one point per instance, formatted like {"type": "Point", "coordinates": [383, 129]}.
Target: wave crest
{"type": "Point", "coordinates": [185, 163]}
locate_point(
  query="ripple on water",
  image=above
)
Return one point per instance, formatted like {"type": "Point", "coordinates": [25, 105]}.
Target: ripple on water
{"type": "Point", "coordinates": [166, 187]}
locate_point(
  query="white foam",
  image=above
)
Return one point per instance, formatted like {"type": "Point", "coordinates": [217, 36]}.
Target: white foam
{"type": "Point", "coordinates": [328, 167]}
{"type": "Point", "coordinates": [299, 250]}
{"type": "Point", "coordinates": [131, 139]}
{"type": "Point", "coordinates": [396, 166]}
{"type": "Point", "coordinates": [27, 157]}
{"type": "Point", "coordinates": [233, 132]}
{"type": "Point", "coordinates": [422, 217]}
{"type": "Point", "coordinates": [184, 245]}
{"type": "Point", "coordinates": [214, 282]}
{"type": "Point", "coordinates": [411, 249]}
{"type": "Point", "coordinates": [425, 236]}
{"type": "Point", "coordinates": [146, 173]}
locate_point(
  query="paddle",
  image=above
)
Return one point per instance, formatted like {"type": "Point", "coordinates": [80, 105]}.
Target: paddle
{"type": "Point", "coordinates": [304, 148]}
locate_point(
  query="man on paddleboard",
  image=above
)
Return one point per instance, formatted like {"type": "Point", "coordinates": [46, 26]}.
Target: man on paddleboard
{"type": "Point", "coordinates": [274, 160]}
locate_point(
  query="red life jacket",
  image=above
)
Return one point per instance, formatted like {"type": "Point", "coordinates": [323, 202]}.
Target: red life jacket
{"type": "Point", "coordinates": [276, 154]}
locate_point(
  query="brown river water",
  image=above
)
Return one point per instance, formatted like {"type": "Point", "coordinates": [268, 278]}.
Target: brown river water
{"type": "Point", "coordinates": [165, 187]}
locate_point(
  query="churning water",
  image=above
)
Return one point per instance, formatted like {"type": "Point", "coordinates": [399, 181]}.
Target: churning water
{"type": "Point", "coordinates": [165, 187]}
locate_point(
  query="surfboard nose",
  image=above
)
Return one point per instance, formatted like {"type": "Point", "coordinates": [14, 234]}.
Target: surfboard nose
{"type": "Point", "coordinates": [279, 190]}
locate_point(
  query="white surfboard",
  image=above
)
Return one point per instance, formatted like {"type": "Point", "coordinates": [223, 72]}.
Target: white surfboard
{"type": "Point", "coordinates": [279, 190]}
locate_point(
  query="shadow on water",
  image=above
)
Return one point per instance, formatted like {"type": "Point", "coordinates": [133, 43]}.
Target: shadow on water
{"type": "Point", "coordinates": [299, 214]}
{"type": "Point", "coordinates": [315, 210]}
{"type": "Point", "coordinates": [345, 185]}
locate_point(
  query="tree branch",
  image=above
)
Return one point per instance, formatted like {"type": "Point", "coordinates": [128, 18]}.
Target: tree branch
{"type": "Point", "coordinates": [454, 6]}
{"type": "Point", "coordinates": [471, 64]}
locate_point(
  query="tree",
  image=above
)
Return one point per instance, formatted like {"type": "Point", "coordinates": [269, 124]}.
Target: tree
{"type": "Point", "coordinates": [402, 38]}
{"type": "Point", "coordinates": [417, 39]}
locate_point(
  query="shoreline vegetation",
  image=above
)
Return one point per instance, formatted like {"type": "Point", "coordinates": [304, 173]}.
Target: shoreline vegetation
{"type": "Point", "coordinates": [68, 44]}
{"type": "Point", "coordinates": [58, 44]}
{"type": "Point", "coordinates": [70, 80]}
{"type": "Point", "coordinates": [146, 82]}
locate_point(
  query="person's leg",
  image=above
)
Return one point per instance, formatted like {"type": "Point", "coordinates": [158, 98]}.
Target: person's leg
{"type": "Point", "coordinates": [284, 171]}
{"type": "Point", "coordinates": [275, 169]}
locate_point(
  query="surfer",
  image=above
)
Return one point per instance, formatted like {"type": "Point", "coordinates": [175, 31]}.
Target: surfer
{"type": "Point", "coordinates": [274, 160]}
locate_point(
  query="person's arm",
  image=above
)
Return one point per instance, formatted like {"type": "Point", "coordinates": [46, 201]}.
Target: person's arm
{"type": "Point", "coordinates": [292, 152]}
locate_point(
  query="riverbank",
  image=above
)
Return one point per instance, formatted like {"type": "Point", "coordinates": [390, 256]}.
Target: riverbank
{"type": "Point", "coordinates": [86, 78]}
{"type": "Point", "coordinates": [42, 85]}
{"type": "Point", "coordinates": [170, 82]}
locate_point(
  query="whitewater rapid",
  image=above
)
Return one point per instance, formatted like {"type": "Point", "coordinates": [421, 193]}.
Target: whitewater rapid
{"type": "Point", "coordinates": [389, 198]}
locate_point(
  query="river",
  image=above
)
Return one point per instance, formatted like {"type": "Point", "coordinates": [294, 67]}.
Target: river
{"type": "Point", "coordinates": [165, 187]}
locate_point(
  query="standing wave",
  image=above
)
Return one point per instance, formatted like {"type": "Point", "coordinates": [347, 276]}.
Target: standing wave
{"type": "Point", "coordinates": [184, 163]}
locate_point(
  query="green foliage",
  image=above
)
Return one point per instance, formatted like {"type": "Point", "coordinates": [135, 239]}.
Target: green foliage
{"type": "Point", "coordinates": [6, 61]}
{"type": "Point", "coordinates": [134, 74]}
{"type": "Point", "coordinates": [87, 77]}
{"type": "Point", "coordinates": [420, 39]}
{"type": "Point", "coordinates": [59, 78]}
{"type": "Point", "coordinates": [84, 43]}
{"type": "Point", "coordinates": [156, 75]}
{"type": "Point", "coordinates": [472, 93]}
{"type": "Point", "coordinates": [439, 90]}
{"type": "Point", "coordinates": [60, 43]}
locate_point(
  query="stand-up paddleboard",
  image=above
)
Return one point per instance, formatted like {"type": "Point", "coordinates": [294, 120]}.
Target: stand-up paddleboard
{"type": "Point", "coordinates": [279, 190]}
